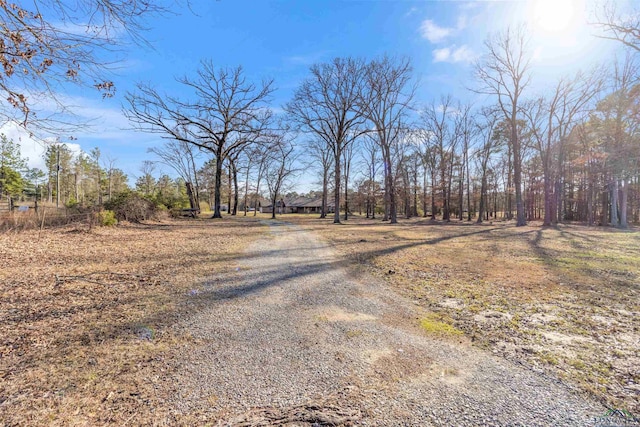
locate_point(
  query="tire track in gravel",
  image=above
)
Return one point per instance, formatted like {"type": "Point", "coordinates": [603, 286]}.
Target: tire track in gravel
{"type": "Point", "coordinates": [289, 338]}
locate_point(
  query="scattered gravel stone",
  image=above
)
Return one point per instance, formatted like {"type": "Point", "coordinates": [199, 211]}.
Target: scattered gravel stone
{"type": "Point", "coordinates": [290, 338]}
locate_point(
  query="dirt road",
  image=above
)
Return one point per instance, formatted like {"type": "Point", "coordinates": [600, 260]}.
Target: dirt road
{"type": "Point", "coordinates": [291, 337]}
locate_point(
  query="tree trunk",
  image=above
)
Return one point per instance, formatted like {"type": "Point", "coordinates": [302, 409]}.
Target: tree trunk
{"type": "Point", "coordinates": [246, 187]}
{"type": "Point", "coordinates": [260, 171]}
{"type": "Point", "coordinates": [234, 171]}
{"type": "Point", "coordinates": [273, 206]}
{"type": "Point", "coordinates": [547, 196]}
{"type": "Point", "coordinates": [433, 194]}
{"type": "Point", "coordinates": [461, 192]}
{"type": "Point", "coordinates": [229, 189]}
{"type": "Point", "coordinates": [424, 194]}
{"type": "Point", "coordinates": [415, 192]}
{"type": "Point", "coordinates": [347, 167]}
{"type": "Point", "coordinates": [448, 191]}
{"type": "Point", "coordinates": [373, 199]}
{"type": "Point", "coordinates": [110, 182]}
{"type": "Point", "coordinates": [445, 198]}
{"type": "Point", "coordinates": [325, 187]}
{"type": "Point", "coordinates": [590, 197]}
{"type": "Point", "coordinates": [195, 181]}
{"type": "Point", "coordinates": [393, 209]}
{"type": "Point", "coordinates": [483, 196]}
{"type": "Point", "coordinates": [336, 191]}
{"type": "Point", "coordinates": [217, 186]}
{"type": "Point", "coordinates": [517, 169]}
{"type": "Point", "coordinates": [508, 214]}
{"type": "Point", "coordinates": [468, 174]}
{"type": "Point", "coordinates": [624, 197]}
{"type": "Point", "coordinates": [613, 189]}
{"type": "Point", "coordinates": [346, 196]}
{"type": "Point", "coordinates": [190, 193]}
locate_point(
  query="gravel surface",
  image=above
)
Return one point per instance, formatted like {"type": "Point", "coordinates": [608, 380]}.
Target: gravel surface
{"type": "Point", "coordinates": [292, 338]}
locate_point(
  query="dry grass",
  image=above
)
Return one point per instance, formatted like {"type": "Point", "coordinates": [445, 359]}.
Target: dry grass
{"type": "Point", "coordinates": [85, 317]}
{"type": "Point", "coordinates": [564, 300]}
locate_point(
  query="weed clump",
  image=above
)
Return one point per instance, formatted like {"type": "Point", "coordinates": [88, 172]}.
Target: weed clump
{"type": "Point", "coordinates": [434, 325]}
{"type": "Point", "coordinates": [107, 218]}
{"type": "Point", "coordinates": [129, 206]}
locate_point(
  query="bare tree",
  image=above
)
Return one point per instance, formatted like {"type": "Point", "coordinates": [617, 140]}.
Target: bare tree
{"type": "Point", "coordinates": [617, 122]}
{"type": "Point", "coordinates": [465, 129]}
{"type": "Point", "coordinates": [321, 154]}
{"type": "Point", "coordinates": [49, 43]}
{"type": "Point", "coordinates": [250, 158]}
{"type": "Point", "coordinates": [180, 156]}
{"type": "Point", "coordinates": [444, 139]}
{"type": "Point", "coordinates": [504, 73]}
{"type": "Point", "coordinates": [325, 105]}
{"type": "Point", "coordinates": [490, 144]}
{"type": "Point", "coordinates": [550, 121]}
{"type": "Point", "coordinates": [371, 159]}
{"type": "Point", "coordinates": [621, 26]}
{"type": "Point", "coordinates": [261, 153]}
{"type": "Point", "coordinates": [385, 103]}
{"type": "Point", "coordinates": [428, 157]}
{"type": "Point", "coordinates": [347, 159]}
{"type": "Point", "coordinates": [279, 168]}
{"type": "Point", "coordinates": [146, 182]}
{"type": "Point", "coordinates": [109, 166]}
{"type": "Point", "coordinates": [228, 113]}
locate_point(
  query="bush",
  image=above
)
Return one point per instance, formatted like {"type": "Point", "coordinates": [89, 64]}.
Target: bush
{"type": "Point", "coordinates": [129, 206]}
{"type": "Point", "coordinates": [72, 203]}
{"type": "Point", "coordinates": [107, 218]}
{"type": "Point", "coordinates": [204, 207]}
{"type": "Point", "coordinates": [170, 201]}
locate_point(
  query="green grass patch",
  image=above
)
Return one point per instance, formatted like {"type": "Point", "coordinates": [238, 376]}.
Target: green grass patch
{"type": "Point", "coordinates": [434, 325]}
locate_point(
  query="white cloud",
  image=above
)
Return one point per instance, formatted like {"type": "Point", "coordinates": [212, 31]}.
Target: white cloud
{"type": "Point", "coordinates": [469, 5]}
{"type": "Point", "coordinates": [463, 54]}
{"type": "Point", "coordinates": [433, 32]}
{"type": "Point", "coordinates": [411, 12]}
{"type": "Point", "coordinates": [454, 54]}
{"type": "Point", "coordinates": [436, 34]}
{"type": "Point", "coordinates": [462, 22]}
{"type": "Point", "coordinates": [31, 148]}
{"type": "Point", "coordinates": [102, 125]}
{"type": "Point", "coordinates": [441, 55]}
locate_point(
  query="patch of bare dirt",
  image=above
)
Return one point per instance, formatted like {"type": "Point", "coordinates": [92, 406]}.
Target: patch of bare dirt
{"type": "Point", "coordinates": [562, 300]}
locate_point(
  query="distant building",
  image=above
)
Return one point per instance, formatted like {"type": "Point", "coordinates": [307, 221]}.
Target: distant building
{"type": "Point", "coordinates": [299, 204]}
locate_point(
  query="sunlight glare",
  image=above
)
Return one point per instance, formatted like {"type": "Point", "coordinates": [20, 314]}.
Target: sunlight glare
{"type": "Point", "coordinates": [555, 17]}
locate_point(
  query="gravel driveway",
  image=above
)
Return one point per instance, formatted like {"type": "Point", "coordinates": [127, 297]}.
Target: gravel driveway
{"type": "Point", "coordinates": [292, 338]}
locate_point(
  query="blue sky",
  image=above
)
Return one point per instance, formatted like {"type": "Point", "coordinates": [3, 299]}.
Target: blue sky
{"type": "Point", "coordinates": [281, 39]}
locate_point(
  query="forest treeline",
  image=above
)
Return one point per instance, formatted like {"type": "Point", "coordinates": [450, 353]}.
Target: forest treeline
{"type": "Point", "coordinates": [568, 154]}
{"type": "Point", "coordinates": [357, 129]}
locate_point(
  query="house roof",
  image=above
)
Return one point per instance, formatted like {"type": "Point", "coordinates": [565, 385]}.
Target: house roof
{"type": "Point", "coordinates": [297, 201]}
{"type": "Point", "coordinates": [301, 202]}
{"type": "Point", "coordinates": [317, 203]}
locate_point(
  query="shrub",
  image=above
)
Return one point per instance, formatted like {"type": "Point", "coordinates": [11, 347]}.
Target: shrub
{"type": "Point", "coordinates": [170, 201]}
{"type": "Point", "coordinates": [107, 218]}
{"type": "Point", "coordinates": [175, 212]}
{"type": "Point", "coordinates": [204, 207]}
{"type": "Point", "coordinates": [72, 203]}
{"type": "Point", "coordinates": [129, 206]}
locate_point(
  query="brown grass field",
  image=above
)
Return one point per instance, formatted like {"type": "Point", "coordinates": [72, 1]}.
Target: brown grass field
{"type": "Point", "coordinates": [86, 315]}
{"type": "Point", "coordinates": [562, 300]}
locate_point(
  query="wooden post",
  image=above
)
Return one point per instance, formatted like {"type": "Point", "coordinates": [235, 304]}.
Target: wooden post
{"type": "Point", "coordinates": [44, 211]}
